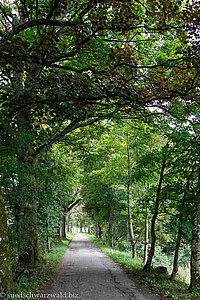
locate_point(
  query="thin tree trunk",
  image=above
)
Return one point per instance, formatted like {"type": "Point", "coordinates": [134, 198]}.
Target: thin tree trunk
{"type": "Point", "coordinates": [130, 225]}
{"type": "Point", "coordinates": [96, 230]}
{"type": "Point", "coordinates": [153, 221]}
{"type": "Point", "coordinates": [48, 244]}
{"type": "Point", "coordinates": [111, 235]}
{"type": "Point", "coordinates": [180, 231]}
{"type": "Point", "coordinates": [146, 230]}
{"type": "Point", "coordinates": [99, 231]}
{"type": "Point", "coordinates": [179, 235]}
{"type": "Point", "coordinates": [195, 247]}
{"type": "Point", "coordinates": [110, 229]}
{"type": "Point", "coordinates": [146, 240]}
{"type": "Point", "coordinates": [175, 264]}
{"type": "Point", "coordinates": [134, 253]}
{"type": "Point", "coordinates": [5, 262]}
{"type": "Point", "coordinates": [68, 222]}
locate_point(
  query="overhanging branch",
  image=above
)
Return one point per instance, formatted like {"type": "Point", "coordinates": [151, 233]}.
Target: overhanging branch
{"type": "Point", "coordinates": [71, 127]}
{"type": "Point", "coordinates": [73, 204]}
{"type": "Point", "coordinates": [52, 10]}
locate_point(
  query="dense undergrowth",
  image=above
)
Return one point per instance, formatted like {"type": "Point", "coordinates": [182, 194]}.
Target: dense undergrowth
{"type": "Point", "coordinates": [158, 283]}
{"type": "Point", "coordinates": [35, 280]}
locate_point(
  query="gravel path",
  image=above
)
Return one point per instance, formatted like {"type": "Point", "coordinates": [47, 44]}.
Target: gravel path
{"type": "Point", "coordinates": [86, 273]}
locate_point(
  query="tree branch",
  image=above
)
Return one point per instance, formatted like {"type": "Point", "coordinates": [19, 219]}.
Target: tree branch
{"type": "Point", "coordinates": [68, 68]}
{"type": "Point", "coordinates": [71, 127]}
{"type": "Point", "coordinates": [32, 23]}
{"type": "Point", "coordinates": [73, 204]}
{"type": "Point", "coordinates": [4, 13]}
{"type": "Point", "coordinates": [90, 4]}
{"type": "Point", "coordinates": [55, 5]}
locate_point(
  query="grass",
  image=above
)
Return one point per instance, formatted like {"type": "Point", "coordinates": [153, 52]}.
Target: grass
{"type": "Point", "coordinates": [158, 283]}
{"type": "Point", "coordinates": [123, 258]}
{"type": "Point", "coordinates": [35, 279]}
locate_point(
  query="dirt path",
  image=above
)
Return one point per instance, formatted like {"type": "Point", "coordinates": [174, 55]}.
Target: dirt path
{"type": "Point", "coordinates": [86, 273]}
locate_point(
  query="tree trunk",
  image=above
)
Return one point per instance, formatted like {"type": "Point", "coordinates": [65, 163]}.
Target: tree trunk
{"type": "Point", "coordinates": [130, 225]}
{"type": "Point", "coordinates": [146, 240]}
{"type": "Point", "coordinates": [96, 230]}
{"type": "Point", "coordinates": [110, 229]}
{"type": "Point", "coordinates": [28, 233]}
{"type": "Point", "coordinates": [195, 247]}
{"type": "Point", "coordinates": [175, 264]}
{"type": "Point", "coordinates": [63, 227]}
{"type": "Point", "coordinates": [99, 231]}
{"type": "Point", "coordinates": [111, 240]}
{"type": "Point", "coordinates": [146, 230]}
{"type": "Point", "coordinates": [134, 252]}
{"type": "Point", "coordinates": [5, 263]}
{"type": "Point", "coordinates": [48, 244]}
{"type": "Point", "coordinates": [68, 222]}
{"type": "Point", "coordinates": [178, 240]}
{"type": "Point", "coordinates": [153, 221]}
{"type": "Point", "coordinates": [63, 223]}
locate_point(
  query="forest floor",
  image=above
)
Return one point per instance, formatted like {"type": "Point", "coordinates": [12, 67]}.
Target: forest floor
{"type": "Point", "coordinates": [86, 273]}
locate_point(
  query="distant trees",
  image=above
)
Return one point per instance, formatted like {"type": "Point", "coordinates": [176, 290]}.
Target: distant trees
{"type": "Point", "coordinates": [162, 169]}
